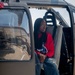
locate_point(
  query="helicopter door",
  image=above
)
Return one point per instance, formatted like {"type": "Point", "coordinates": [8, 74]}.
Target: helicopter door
{"type": "Point", "coordinates": [16, 41]}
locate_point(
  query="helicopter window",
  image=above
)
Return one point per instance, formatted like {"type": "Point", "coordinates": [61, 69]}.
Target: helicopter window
{"type": "Point", "coordinates": [8, 18]}
{"type": "Point", "coordinates": [64, 16]}
{"type": "Point", "coordinates": [24, 23]}
{"type": "Point", "coordinates": [14, 35]}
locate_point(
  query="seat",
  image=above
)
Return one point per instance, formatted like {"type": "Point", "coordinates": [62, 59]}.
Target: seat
{"type": "Point", "coordinates": [56, 31]}
{"type": "Point", "coordinates": [57, 42]}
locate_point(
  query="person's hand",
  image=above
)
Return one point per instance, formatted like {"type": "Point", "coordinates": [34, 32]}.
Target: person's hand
{"type": "Point", "coordinates": [42, 57]}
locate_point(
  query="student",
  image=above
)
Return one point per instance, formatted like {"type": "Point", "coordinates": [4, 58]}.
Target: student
{"type": "Point", "coordinates": [44, 48]}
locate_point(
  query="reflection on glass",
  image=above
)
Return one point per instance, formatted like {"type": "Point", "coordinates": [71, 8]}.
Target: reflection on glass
{"type": "Point", "coordinates": [14, 35]}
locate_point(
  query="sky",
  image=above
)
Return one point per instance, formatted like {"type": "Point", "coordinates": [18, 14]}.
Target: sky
{"type": "Point", "coordinates": [71, 1]}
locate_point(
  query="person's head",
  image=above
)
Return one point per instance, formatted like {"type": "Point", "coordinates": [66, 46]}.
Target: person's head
{"type": "Point", "coordinates": [40, 25]}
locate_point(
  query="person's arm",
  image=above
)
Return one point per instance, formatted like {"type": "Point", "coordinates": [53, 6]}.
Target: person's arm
{"type": "Point", "coordinates": [50, 46]}
{"type": "Point", "coordinates": [41, 56]}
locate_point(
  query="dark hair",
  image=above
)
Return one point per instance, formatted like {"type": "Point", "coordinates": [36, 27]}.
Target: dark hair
{"type": "Point", "coordinates": [38, 42]}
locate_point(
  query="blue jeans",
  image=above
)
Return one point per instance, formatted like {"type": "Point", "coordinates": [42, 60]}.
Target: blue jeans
{"type": "Point", "coordinates": [37, 65]}
{"type": "Point", "coordinates": [50, 67]}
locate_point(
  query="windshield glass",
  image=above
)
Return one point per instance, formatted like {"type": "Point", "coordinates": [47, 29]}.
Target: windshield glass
{"type": "Point", "coordinates": [14, 35]}
{"type": "Point", "coordinates": [63, 14]}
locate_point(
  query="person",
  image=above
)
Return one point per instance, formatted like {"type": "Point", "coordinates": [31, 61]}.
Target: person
{"type": "Point", "coordinates": [44, 49]}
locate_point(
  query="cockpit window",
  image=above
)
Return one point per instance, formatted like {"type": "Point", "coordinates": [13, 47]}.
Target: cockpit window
{"type": "Point", "coordinates": [15, 41]}
{"type": "Point", "coordinates": [8, 18]}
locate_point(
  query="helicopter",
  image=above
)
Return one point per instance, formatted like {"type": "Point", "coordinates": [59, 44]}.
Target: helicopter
{"type": "Point", "coordinates": [17, 55]}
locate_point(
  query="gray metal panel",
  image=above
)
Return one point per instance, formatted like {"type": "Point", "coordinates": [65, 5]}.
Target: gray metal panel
{"type": "Point", "coordinates": [18, 4]}
{"type": "Point", "coordinates": [44, 1]}
{"type": "Point", "coordinates": [17, 68]}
